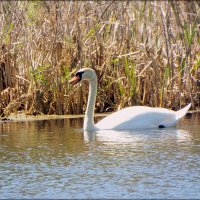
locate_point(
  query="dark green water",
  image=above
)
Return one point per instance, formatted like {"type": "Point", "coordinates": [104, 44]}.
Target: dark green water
{"type": "Point", "coordinates": [55, 159]}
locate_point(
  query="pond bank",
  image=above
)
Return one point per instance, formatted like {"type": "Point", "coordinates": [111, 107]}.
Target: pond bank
{"type": "Point", "coordinates": [24, 117]}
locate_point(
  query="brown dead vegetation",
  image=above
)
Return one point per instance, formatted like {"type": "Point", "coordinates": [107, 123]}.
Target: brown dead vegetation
{"type": "Point", "coordinates": [144, 53]}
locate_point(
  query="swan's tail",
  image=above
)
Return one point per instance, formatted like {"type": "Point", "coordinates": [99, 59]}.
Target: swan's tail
{"type": "Point", "coordinates": [181, 113]}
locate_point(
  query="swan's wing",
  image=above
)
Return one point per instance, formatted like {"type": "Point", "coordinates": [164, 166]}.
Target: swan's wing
{"type": "Point", "coordinates": [171, 121]}
{"type": "Point", "coordinates": [181, 113]}
{"type": "Point", "coordinates": [138, 117]}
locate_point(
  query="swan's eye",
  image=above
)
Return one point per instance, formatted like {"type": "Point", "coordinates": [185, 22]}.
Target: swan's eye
{"type": "Point", "coordinates": [77, 78]}
{"type": "Point", "coordinates": [79, 74]}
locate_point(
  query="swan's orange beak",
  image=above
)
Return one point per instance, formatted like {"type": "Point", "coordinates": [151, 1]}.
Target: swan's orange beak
{"type": "Point", "coordinates": [75, 80]}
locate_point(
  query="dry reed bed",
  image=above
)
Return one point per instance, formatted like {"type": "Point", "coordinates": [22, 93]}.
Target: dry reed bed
{"type": "Point", "coordinates": [144, 52]}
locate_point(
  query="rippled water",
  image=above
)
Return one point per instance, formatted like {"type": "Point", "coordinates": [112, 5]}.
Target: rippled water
{"type": "Point", "coordinates": [55, 159]}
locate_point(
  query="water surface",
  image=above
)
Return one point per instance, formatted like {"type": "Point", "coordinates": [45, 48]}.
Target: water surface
{"type": "Point", "coordinates": [55, 159]}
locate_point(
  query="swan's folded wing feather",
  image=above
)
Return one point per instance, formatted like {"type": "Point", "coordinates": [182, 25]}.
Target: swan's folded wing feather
{"type": "Point", "coordinates": [138, 117]}
{"type": "Point", "coordinates": [169, 121]}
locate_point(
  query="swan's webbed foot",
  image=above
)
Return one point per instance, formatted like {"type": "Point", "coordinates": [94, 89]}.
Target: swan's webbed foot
{"type": "Point", "coordinates": [161, 126]}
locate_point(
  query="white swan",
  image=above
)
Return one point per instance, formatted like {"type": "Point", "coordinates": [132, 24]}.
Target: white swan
{"type": "Point", "coordinates": [136, 117]}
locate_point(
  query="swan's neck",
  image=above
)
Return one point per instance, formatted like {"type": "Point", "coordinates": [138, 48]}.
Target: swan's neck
{"type": "Point", "coordinates": [89, 114]}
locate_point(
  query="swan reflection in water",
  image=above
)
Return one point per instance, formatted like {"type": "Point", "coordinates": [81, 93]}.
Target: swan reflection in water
{"type": "Point", "coordinates": [137, 136]}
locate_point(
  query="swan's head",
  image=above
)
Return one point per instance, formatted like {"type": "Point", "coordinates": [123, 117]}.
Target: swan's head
{"type": "Point", "coordinates": [83, 74]}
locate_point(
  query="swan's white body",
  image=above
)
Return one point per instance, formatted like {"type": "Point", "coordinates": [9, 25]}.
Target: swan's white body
{"type": "Point", "coordinates": [136, 117]}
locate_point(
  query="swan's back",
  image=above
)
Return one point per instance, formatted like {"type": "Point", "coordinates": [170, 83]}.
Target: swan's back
{"type": "Point", "coordinates": [139, 117]}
